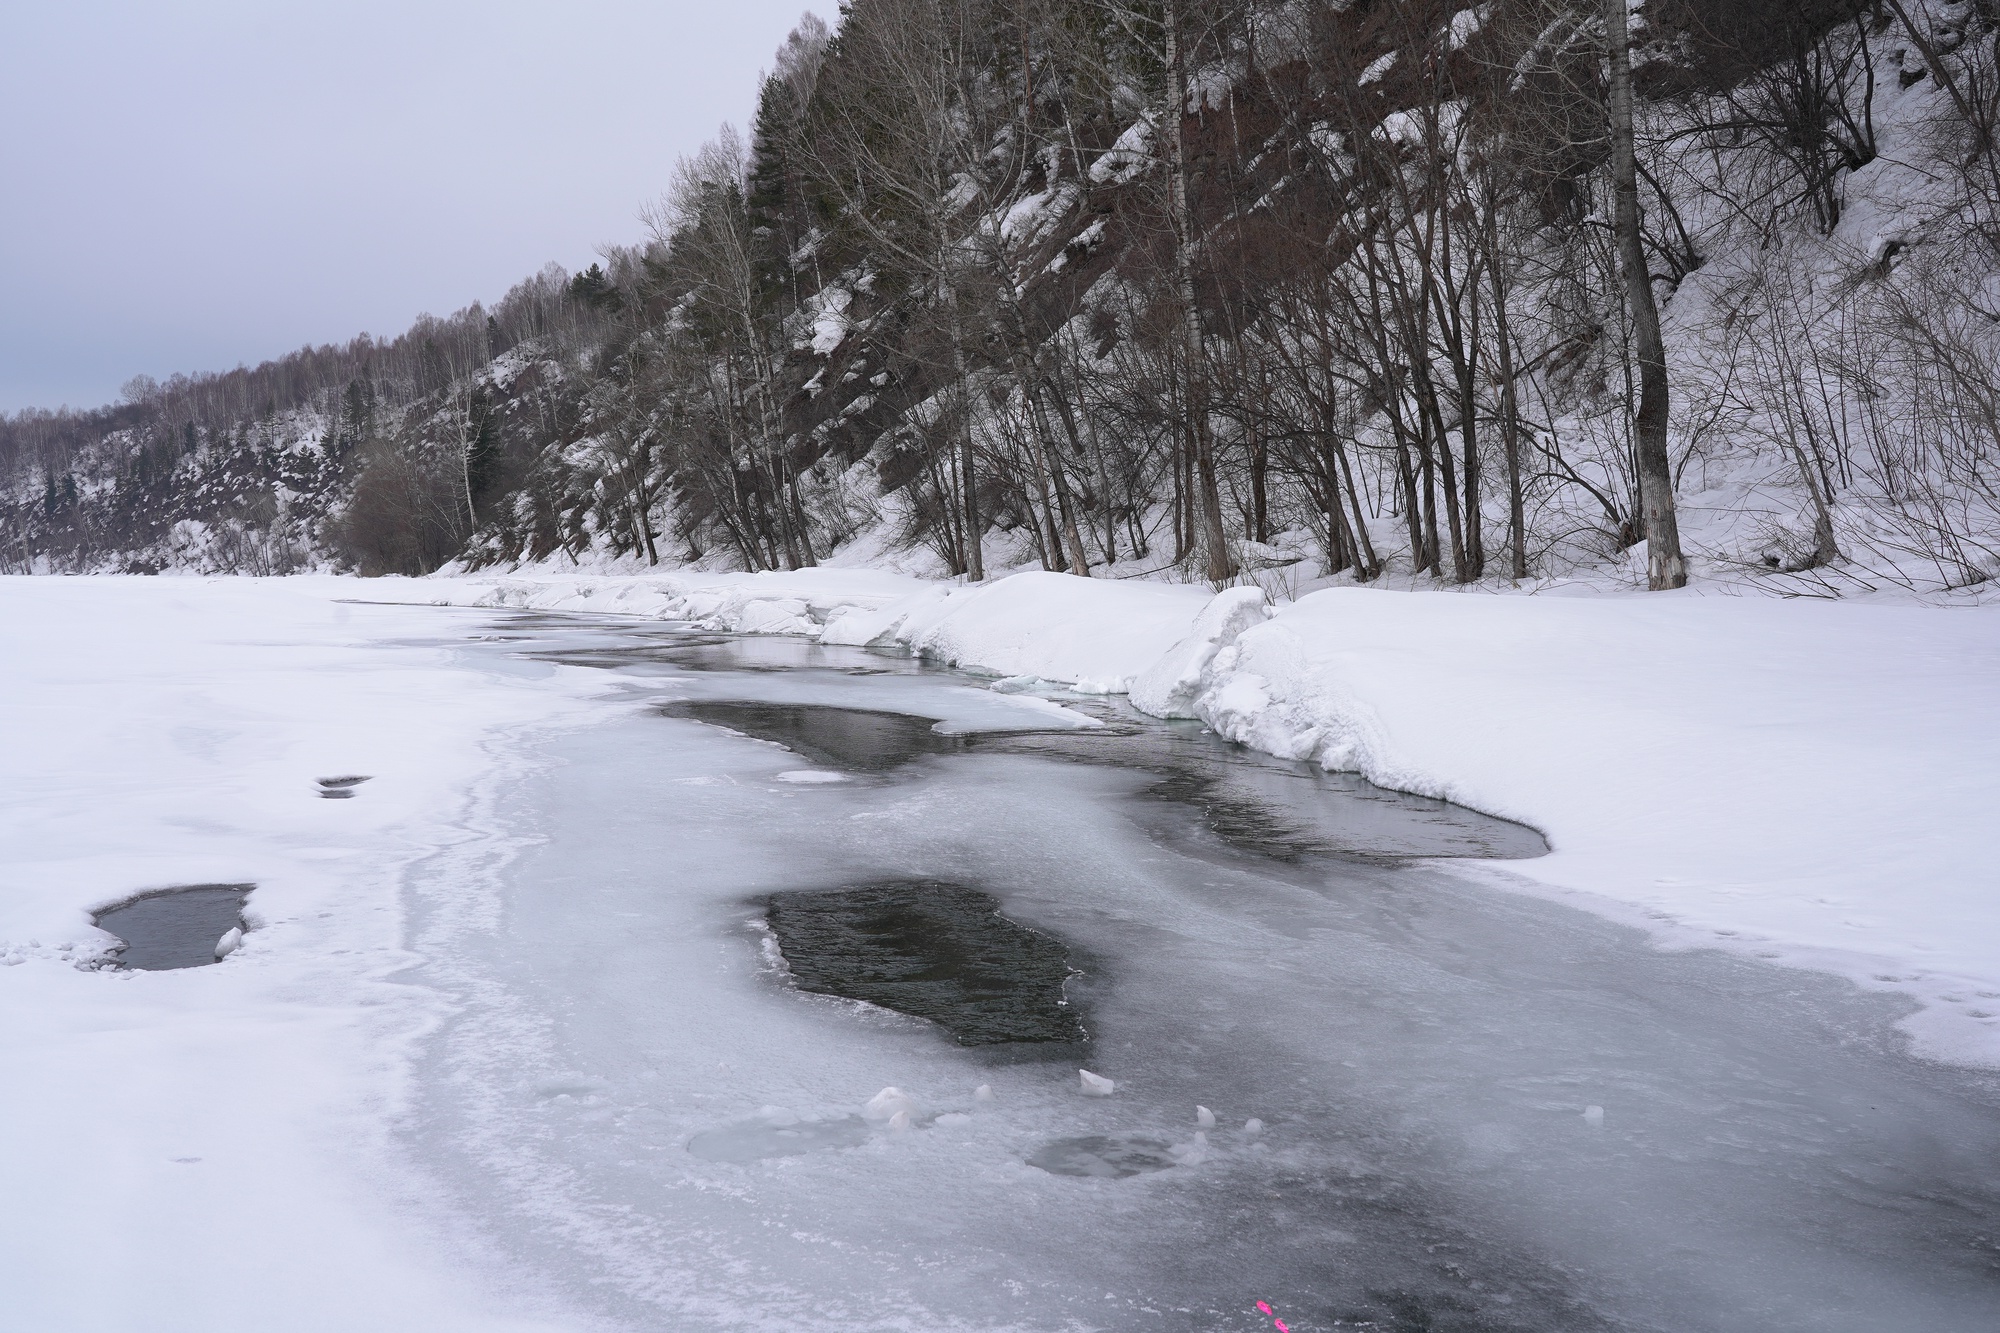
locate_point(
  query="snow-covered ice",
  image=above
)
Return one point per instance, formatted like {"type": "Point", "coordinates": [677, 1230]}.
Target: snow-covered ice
{"type": "Point", "coordinates": [1399, 1060]}
{"type": "Point", "coordinates": [210, 1148]}
{"type": "Point", "coordinates": [1800, 780]}
{"type": "Point", "coordinates": [505, 1045]}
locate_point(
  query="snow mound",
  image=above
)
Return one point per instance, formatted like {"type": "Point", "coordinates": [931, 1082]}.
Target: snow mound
{"type": "Point", "coordinates": [1168, 687]}
{"type": "Point", "coordinates": [1095, 633]}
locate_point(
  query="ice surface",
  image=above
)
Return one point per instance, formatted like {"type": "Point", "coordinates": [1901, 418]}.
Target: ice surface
{"type": "Point", "coordinates": [1419, 1049]}
{"type": "Point", "coordinates": [1104, 1156]}
{"type": "Point", "coordinates": [589, 983]}
{"type": "Point", "coordinates": [762, 1136]}
{"type": "Point", "coordinates": [1745, 826]}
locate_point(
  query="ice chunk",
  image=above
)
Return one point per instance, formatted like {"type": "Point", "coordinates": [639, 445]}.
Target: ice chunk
{"type": "Point", "coordinates": [811, 776]}
{"type": "Point", "coordinates": [1096, 1085]}
{"type": "Point", "coordinates": [983, 1093]}
{"type": "Point", "coordinates": [229, 943]}
{"type": "Point", "coordinates": [1593, 1116]}
{"type": "Point", "coordinates": [900, 1122]}
{"type": "Point", "coordinates": [1204, 1117]}
{"type": "Point", "coordinates": [888, 1104]}
{"type": "Point", "coordinates": [1253, 1126]}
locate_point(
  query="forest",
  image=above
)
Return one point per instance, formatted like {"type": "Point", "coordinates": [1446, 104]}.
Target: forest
{"type": "Point", "coordinates": [1195, 289]}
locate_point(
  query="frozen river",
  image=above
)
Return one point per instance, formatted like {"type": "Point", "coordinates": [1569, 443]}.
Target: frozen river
{"type": "Point", "coordinates": [1478, 1110]}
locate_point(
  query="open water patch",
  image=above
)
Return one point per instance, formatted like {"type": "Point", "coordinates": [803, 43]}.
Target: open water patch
{"type": "Point", "coordinates": [858, 739]}
{"type": "Point", "coordinates": [936, 951]}
{"type": "Point", "coordinates": [1286, 810]}
{"type": "Point", "coordinates": [176, 928]}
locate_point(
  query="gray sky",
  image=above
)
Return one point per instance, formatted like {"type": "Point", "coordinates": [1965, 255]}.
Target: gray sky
{"type": "Point", "coordinates": [187, 186]}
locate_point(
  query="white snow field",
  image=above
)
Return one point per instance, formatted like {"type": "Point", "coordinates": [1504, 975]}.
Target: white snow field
{"type": "Point", "coordinates": [208, 1149]}
{"type": "Point", "coordinates": [1806, 781]}
{"type": "Point", "coordinates": [509, 1047]}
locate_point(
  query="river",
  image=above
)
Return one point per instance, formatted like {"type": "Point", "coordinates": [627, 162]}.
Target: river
{"type": "Point", "coordinates": [1477, 1110]}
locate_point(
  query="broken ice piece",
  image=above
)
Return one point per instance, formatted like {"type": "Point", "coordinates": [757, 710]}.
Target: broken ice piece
{"type": "Point", "coordinates": [229, 943]}
{"type": "Point", "coordinates": [1095, 1085]}
{"type": "Point", "coordinates": [1204, 1117]}
{"type": "Point", "coordinates": [1593, 1116]}
{"type": "Point", "coordinates": [888, 1104]}
{"type": "Point", "coordinates": [899, 1122]}
{"type": "Point", "coordinates": [1253, 1126]}
{"type": "Point", "coordinates": [809, 777]}
{"type": "Point", "coordinates": [983, 1093]}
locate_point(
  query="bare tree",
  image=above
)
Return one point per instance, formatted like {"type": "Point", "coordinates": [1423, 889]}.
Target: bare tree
{"type": "Point", "coordinates": [1665, 566]}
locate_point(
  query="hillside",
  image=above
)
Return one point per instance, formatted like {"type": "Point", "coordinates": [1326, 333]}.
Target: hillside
{"type": "Point", "coordinates": [1194, 290]}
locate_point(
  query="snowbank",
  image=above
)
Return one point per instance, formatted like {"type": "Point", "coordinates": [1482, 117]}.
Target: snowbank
{"type": "Point", "coordinates": [1094, 634]}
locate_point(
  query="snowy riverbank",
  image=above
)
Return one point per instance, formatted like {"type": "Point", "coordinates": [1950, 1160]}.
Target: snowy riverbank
{"type": "Point", "coordinates": [1804, 781]}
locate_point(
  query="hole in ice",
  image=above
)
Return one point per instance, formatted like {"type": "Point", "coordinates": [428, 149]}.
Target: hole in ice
{"type": "Point", "coordinates": [931, 950]}
{"type": "Point", "coordinates": [851, 738]}
{"type": "Point", "coordinates": [777, 1133]}
{"type": "Point", "coordinates": [176, 928]}
{"type": "Point", "coordinates": [1105, 1156]}
{"type": "Point", "coordinates": [340, 788]}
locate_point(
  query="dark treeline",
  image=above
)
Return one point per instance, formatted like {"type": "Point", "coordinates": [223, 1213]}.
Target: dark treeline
{"type": "Point", "coordinates": [1094, 282]}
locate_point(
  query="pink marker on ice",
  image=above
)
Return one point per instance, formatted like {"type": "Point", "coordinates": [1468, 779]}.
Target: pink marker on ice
{"type": "Point", "coordinates": [1276, 1322]}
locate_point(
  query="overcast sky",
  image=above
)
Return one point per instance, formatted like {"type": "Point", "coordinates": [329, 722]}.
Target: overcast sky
{"type": "Point", "coordinates": [187, 186]}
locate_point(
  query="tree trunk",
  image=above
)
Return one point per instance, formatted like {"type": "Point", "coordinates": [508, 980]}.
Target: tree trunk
{"type": "Point", "coordinates": [1665, 567]}
{"type": "Point", "coordinates": [1510, 403]}
{"type": "Point", "coordinates": [975, 556]}
{"type": "Point", "coordinates": [1220, 566]}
